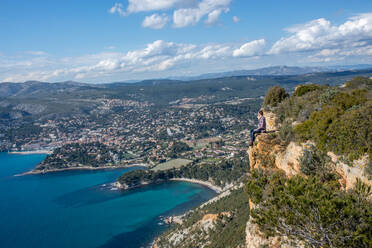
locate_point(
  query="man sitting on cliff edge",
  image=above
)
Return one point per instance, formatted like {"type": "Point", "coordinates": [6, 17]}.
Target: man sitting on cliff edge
{"type": "Point", "coordinates": [261, 126]}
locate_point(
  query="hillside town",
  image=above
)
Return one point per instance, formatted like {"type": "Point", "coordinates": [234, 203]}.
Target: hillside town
{"type": "Point", "coordinates": [140, 133]}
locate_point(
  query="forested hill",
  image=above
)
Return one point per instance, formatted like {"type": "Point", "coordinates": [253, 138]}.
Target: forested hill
{"type": "Point", "coordinates": [164, 86]}
{"type": "Point", "coordinates": [39, 99]}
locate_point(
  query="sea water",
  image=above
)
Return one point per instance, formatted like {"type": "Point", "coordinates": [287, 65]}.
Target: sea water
{"type": "Point", "coordinates": [83, 208]}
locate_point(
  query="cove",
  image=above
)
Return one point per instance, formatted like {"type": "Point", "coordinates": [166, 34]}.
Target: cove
{"type": "Point", "coordinates": [82, 209]}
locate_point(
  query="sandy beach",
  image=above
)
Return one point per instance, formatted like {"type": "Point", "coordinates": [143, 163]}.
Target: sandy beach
{"type": "Point", "coordinates": [208, 184]}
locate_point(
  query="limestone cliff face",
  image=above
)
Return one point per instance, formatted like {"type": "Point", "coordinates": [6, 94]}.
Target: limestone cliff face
{"type": "Point", "coordinates": [254, 238]}
{"type": "Point", "coordinates": [272, 122]}
{"type": "Point", "coordinates": [269, 152]}
{"type": "Point", "coordinates": [197, 234]}
{"type": "Point", "coordinates": [350, 174]}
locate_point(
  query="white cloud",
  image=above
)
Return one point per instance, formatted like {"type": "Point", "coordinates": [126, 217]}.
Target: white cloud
{"type": "Point", "coordinates": [117, 8]}
{"type": "Point", "coordinates": [190, 16]}
{"type": "Point", "coordinates": [236, 19]}
{"type": "Point", "coordinates": [186, 12]}
{"type": "Point", "coordinates": [154, 57]}
{"type": "Point", "coordinates": [249, 49]}
{"type": "Point", "coordinates": [321, 34]}
{"type": "Point", "coordinates": [155, 21]}
{"type": "Point", "coordinates": [135, 6]}
{"type": "Point", "coordinates": [36, 53]}
{"type": "Point", "coordinates": [328, 55]}
{"type": "Point", "coordinates": [149, 5]}
{"type": "Point", "coordinates": [318, 41]}
{"type": "Point", "coordinates": [213, 16]}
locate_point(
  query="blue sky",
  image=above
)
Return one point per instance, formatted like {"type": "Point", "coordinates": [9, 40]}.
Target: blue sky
{"type": "Point", "coordinates": [103, 41]}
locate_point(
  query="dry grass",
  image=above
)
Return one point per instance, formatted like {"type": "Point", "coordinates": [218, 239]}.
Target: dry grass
{"type": "Point", "coordinates": [174, 163]}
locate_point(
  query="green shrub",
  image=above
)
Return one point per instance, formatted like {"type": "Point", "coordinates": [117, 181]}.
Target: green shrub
{"type": "Point", "coordinates": [305, 88]}
{"type": "Point", "coordinates": [343, 126]}
{"type": "Point", "coordinates": [346, 101]}
{"type": "Point", "coordinates": [228, 231]}
{"type": "Point", "coordinates": [328, 94]}
{"type": "Point", "coordinates": [286, 132]}
{"type": "Point", "coordinates": [368, 170]}
{"type": "Point", "coordinates": [309, 210]}
{"type": "Point", "coordinates": [298, 108]}
{"type": "Point", "coordinates": [316, 163]}
{"type": "Point", "coordinates": [274, 96]}
{"type": "Point", "coordinates": [351, 133]}
{"type": "Point", "coordinates": [359, 82]}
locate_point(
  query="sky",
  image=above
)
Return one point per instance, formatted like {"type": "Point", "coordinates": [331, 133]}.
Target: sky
{"type": "Point", "coordinates": [101, 41]}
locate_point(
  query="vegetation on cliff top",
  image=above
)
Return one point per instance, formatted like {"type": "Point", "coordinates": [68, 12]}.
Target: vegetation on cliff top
{"type": "Point", "coordinates": [274, 96]}
{"type": "Point", "coordinates": [337, 119]}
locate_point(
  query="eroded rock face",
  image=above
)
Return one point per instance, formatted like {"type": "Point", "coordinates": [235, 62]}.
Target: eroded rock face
{"type": "Point", "coordinates": [262, 153]}
{"type": "Point", "coordinates": [289, 160]}
{"type": "Point", "coordinates": [350, 174]}
{"type": "Point", "coordinates": [270, 153]}
{"type": "Point", "coordinates": [255, 239]}
{"type": "Point", "coordinates": [272, 122]}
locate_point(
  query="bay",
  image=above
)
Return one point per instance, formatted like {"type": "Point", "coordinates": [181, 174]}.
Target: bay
{"type": "Point", "coordinates": [82, 209]}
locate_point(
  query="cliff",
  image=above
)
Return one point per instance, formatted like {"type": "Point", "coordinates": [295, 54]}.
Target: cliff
{"type": "Point", "coordinates": [269, 152]}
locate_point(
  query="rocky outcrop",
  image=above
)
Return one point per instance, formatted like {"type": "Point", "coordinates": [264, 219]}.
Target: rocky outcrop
{"type": "Point", "coordinates": [196, 233]}
{"type": "Point", "coordinates": [255, 239]}
{"type": "Point", "coordinates": [272, 122]}
{"type": "Point", "coordinates": [269, 152]}
{"type": "Point", "coordinates": [289, 159]}
{"type": "Point", "coordinates": [350, 174]}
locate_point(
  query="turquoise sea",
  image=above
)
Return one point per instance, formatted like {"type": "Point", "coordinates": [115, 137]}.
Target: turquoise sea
{"type": "Point", "coordinates": [82, 209]}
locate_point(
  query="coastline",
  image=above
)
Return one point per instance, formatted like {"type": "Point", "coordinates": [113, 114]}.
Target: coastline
{"type": "Point", "coordinates": [217, 189]}
{"type": "Point", "coordinates": [35, 172]}
{"type": "Point", "coordinates": [209, 185]}
{"type": "Point", "coordinates": [31, 152]}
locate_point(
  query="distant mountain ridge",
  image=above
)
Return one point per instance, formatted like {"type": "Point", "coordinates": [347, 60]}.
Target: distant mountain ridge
{"type": "Point", "coordinates": [35, 88]}
{"type": "Point", "coordinates": [276, 71]}
{"type": "Point", "coordinates": [30, 88]}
